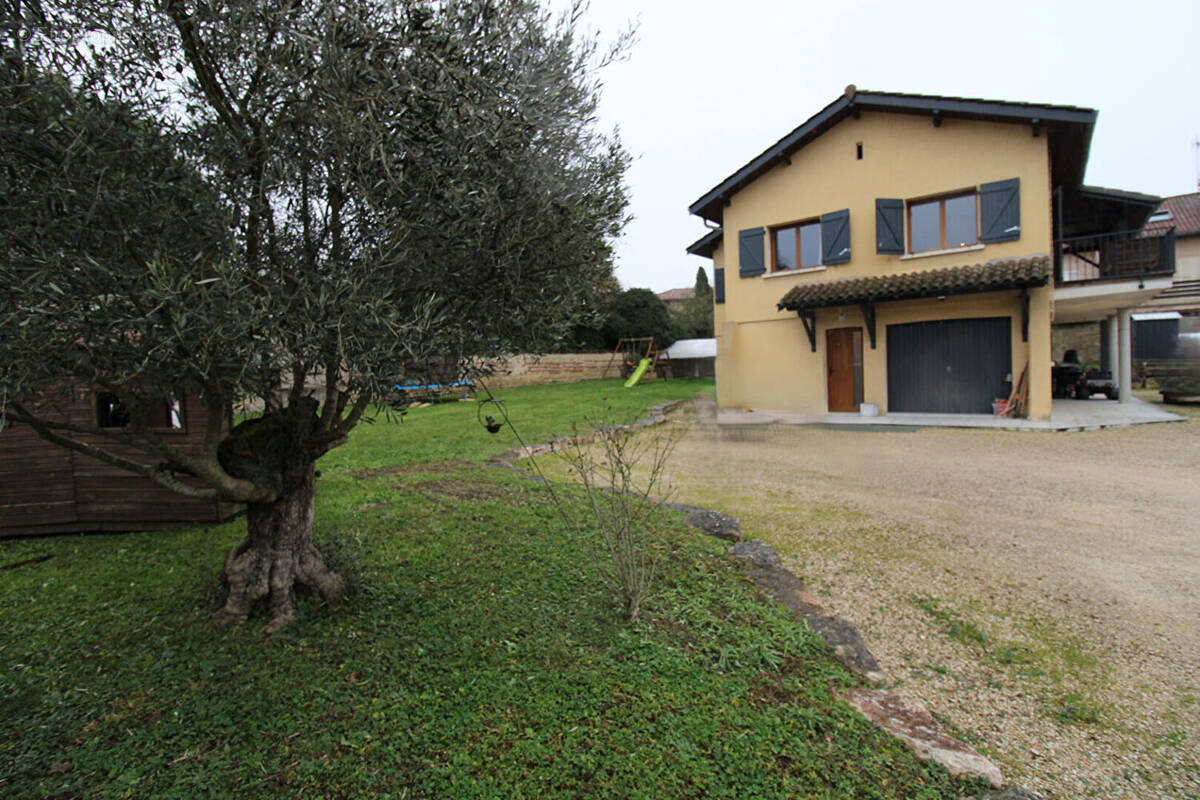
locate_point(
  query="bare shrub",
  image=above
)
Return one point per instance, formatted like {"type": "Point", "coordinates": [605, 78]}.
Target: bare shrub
{"type": "Point", "coordinates": [622, 474]}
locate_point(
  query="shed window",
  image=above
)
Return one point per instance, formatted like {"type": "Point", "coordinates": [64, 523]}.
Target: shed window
{"type": "Point", "coordinates": [111, 413]}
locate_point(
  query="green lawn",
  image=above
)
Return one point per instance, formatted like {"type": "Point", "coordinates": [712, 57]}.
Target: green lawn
{"type": "Point", "coordinates": [481, 659]}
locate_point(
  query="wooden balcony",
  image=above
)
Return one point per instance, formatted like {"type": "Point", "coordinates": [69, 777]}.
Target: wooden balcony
{"type": "Point", "coordinates": [1120, 256]}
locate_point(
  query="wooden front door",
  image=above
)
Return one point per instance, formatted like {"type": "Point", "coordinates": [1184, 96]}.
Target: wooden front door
{"type": "Point", "coordinates": [843, 357]}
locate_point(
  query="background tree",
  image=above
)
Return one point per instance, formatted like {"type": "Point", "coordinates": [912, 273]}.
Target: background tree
{"type": "Point", "coordinates": [694, 317]}
{"type": "Point", "coordinates": [229, 200]}
{"type": "Point", "coordinates": [589, 332]}
{"type": "Point", "coordinates": [638, 313]}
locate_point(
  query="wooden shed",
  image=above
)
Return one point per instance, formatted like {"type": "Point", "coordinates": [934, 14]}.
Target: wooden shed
{"type": "Point", "coordinates": [45, 488]}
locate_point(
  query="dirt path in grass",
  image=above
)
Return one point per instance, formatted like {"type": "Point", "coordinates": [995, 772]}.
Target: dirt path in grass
{"type": "Point", "coordinates": [1039, 591]}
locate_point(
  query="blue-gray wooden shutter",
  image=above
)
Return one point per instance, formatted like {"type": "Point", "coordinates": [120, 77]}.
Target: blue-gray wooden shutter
{"type": "Point", "coordinates": [835, 237]}
{"type": "Point", "coordinates": [889, 226]}
{"type": "Point", "coordinates": [750, 252]}
{"type": "Point", "coordinates": [718, 285]}
{"type": "Point", "coordinates": [1000, 211]}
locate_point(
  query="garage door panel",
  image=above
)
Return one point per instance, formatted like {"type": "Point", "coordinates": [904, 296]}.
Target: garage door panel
{"type": "Point", "coordinates": [954, 366]}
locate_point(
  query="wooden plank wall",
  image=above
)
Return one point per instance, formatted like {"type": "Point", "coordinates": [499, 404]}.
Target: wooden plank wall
{"type": "Point", "coordinates": [45, 488]}
{"type": "Point", "coordinates": [36, 479]}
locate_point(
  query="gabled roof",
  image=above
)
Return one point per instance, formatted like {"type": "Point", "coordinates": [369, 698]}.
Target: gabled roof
{"type": "Point", "coordinates": [1185, 215]}
{"type": "Point", "coordinates": [707, 244]}
{"type": "Point", "coordinates": [1088, 210]}
{"type": "Point", "coordinates": [990, 276]}
{"type": "Point", "coordinates": [1123, 195]}
{"type": "Point", "coordinates": [1069, 129]}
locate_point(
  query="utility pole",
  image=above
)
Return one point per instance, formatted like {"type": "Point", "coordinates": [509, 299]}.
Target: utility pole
{"type": "Point", "coordinates": [1196, 147]}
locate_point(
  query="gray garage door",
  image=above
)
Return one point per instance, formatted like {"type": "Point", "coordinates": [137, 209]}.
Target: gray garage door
{"type": "Point", "coordinates": [951, 366]}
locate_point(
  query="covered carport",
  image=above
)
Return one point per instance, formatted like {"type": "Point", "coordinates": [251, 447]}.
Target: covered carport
{"type": "Point", "coordinates": [1112, 303]}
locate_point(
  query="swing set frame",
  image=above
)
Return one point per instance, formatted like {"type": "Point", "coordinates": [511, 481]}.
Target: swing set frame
{"type": "Point", "coordinates": [631, 346]}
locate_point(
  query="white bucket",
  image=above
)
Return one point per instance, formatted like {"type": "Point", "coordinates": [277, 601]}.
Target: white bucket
{"type": "Point", "coordinates": [868, 410]}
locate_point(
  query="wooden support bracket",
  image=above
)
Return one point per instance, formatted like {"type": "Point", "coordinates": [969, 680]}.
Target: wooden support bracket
{"type": "Point", "coordinates": [868, 312]}
{"type": "Point", "coordinates": [1025, 314]}
{"type": "Point", "coordinates": [809, 320]}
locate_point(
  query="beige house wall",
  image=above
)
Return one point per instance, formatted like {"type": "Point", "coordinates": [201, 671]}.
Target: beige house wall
{"type": "Point", "coordinates": [1187, 259]}
{"type": "Point", "coordinates": [764, 359]}
{"type": "Point", "coordinates": [770, 365]}
{"type": "Point", "coordinates": [1187, 268]}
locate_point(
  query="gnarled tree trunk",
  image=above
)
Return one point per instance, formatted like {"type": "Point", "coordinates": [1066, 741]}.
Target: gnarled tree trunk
{"type": "Point", "coordinates": [278, 559]}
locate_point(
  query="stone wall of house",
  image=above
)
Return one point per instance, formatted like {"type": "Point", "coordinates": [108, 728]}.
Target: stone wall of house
{"type": "Point", "coordinates": [1082, 337]}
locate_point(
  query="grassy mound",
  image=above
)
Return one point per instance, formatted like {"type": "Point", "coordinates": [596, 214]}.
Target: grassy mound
{"type": "Point", "coordinates": [482, 658]}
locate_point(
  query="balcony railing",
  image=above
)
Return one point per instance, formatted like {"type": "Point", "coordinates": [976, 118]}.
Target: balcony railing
{"type": "Point", "coordinates": [1124, 255]}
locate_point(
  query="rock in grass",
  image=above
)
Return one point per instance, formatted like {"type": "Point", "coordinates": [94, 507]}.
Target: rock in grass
{"type": "Point", "coordinates": [1007, 793]}
{"type": "Point", "coordinates": [839, 634]}
{"type": "Point", "coordinates": [758, 553]}
{"type": "Point", "coordinates": [714, 523]}
{"type": "Point", "coordinates": [906, 718]}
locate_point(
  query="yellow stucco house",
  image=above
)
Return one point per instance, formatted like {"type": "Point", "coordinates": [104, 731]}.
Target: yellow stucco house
{"type": "Point", "coordinates": [913, 251]}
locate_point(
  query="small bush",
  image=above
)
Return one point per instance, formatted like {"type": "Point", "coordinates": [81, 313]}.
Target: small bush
{"type": "Point", "coordinates": [621, 473]}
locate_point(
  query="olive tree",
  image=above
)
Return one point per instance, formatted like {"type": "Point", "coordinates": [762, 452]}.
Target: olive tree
{"type": "Point", "coordinates": [230, 200]}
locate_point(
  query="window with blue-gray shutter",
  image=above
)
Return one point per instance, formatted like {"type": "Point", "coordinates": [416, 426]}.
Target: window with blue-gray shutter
{"type": "Point", "coordinates": [750, 252]}
{"type": "Point", "coordinates": [1000, 211]}
{"type": "Point", "coordinates": [835, 237]}
{"type": "Point", "coordinates": [719, 285]}
{"type": "Point", "coordinates": [889, 226]}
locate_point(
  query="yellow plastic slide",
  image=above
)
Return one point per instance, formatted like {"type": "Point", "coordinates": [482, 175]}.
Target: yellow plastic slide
{"type": "Point", "coordinates": [642, 366]}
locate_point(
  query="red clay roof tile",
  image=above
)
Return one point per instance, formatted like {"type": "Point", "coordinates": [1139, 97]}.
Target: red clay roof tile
{"type": "Point", "coordinates": [996, 275]}
{"type": "Point", "coordinates": [1185, 215]}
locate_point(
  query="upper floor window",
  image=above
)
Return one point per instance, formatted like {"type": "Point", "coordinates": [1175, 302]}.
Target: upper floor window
{"type": "Point", "coordinates": [812, 244]}
{"type": "Point", "coordinates": [943, 223]}
{"type": "Point", "coordinates": [796, 246]}
{"type": "Point", "coordinates": [988, 215]}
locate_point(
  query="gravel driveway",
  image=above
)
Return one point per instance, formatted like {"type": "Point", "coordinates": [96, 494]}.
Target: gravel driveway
{"type": "Point", "coordinates": [1039, 591]}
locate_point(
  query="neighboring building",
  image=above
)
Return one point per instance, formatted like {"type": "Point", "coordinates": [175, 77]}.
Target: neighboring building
{"type": "Point", "coordinates": [45, 488]}
{"type": "Point", "coordinates": [1183, 214]}
{"type": "Point", "coordinates": [673, 298]}
{"type": "Point", "coordinates": [912, 252]}
{"type": "Point", "coordinates": [1157, 324]}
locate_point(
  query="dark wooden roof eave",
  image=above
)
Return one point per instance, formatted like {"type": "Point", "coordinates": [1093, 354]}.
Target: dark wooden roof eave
{"type": "Point", "coordinates": [1069, 129]}
{"type": "Point", "coordinates": [706, 245]}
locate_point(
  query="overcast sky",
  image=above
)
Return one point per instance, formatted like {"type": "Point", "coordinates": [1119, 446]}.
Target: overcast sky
{"type": "Point", "coordinates": [709, 85]}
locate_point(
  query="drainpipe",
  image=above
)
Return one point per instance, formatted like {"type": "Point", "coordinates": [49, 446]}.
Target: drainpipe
{"type": "Point", "coordinates": [1125, 382]}
{"type": "Point", "coordinates": [1114, 352]}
